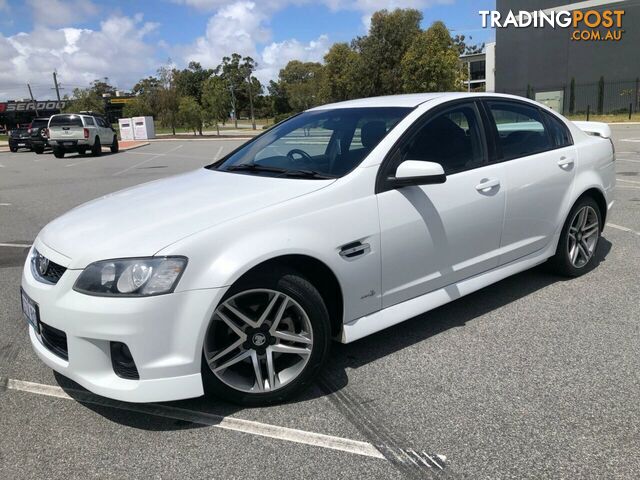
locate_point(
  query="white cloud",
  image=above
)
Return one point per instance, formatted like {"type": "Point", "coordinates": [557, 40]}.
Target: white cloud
{"type": "Point", "coordinates": [238, 27]}
{"type": "Point", "coordinates": [61, 12]}
{"type": "Point", "coordinates": [117, 50]}
{"type": "Point", "coordinates": [275, 56]}
{"type": "Point", "coordinates": [4, 6]}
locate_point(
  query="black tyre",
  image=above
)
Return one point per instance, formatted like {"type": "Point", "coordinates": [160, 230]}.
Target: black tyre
{"type": "Point", "coordinates": [114, 145]}
{"type": "Point", "coordinates": [58, 153]}
{"type": "Point", "coordinates": [579, 239]}
{"type": "Point", "coordinates": [82, 150]}
{"type": "Point", "coordinates": [96, 150]}
{"type": "Point", "coordinates": [268, 339]}
{"type": "Point", "coordinates": [39, 150]}
{"type": "Point", "coordinates": [13, 149]}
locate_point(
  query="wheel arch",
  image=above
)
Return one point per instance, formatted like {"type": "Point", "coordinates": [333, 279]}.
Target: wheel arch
{"type": "Point", "coordinates": [318, 273]}
{"type": "Point", "coordinates": [599, 198]}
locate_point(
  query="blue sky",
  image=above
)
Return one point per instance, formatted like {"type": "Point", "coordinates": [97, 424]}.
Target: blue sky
{"type": "Point", "coordinates": [126, 40]}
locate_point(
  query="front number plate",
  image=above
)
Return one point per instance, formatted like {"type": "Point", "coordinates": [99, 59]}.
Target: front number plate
{"type": "Point", "coordinates": [30, 310]}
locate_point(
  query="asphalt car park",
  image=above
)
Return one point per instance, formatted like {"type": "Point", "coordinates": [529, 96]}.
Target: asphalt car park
{"type": "Point", "coordinates": [533, 377]}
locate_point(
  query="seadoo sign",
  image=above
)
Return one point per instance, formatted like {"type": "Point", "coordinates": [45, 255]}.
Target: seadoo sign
{"type": "Point", "coordinates": [31, 106]}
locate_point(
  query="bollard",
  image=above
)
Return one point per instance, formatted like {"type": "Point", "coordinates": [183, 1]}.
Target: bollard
{"type": "Point", "coordinates": [630, 110]}
{"type": "Point", "coordinates": [588, 108]}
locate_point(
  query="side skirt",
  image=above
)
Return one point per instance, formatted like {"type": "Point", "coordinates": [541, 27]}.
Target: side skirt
{"type": "Point", "coordinates": [395, 314]}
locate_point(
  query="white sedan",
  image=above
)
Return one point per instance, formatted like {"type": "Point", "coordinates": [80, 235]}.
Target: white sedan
{"type": "Point", "coordinates": [336, 223]}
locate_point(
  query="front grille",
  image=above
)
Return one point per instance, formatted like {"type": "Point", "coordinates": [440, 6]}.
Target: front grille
{"type": "Point", "coordinates": [53, 272]}
{"type": "Point", "coordinates": [55, 340]}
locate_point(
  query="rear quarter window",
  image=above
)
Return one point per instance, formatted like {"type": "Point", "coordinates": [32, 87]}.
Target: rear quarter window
{"type": "Point", "coordinates": [66, 121]}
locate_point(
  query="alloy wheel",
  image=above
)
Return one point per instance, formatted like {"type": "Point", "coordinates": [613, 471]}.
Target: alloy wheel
{"type": "Point", "coordinates": [582, 239]}
{"type": "Point", "coordinates": [258, 341]}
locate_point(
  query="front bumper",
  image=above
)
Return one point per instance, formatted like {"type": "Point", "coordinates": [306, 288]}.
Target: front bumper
{"type": "Point", "coordinates": [164, 334]}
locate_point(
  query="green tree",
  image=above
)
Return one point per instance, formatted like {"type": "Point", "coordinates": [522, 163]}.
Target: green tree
{"type": "Point", "coordinates": [247, 68]}
{"type": "Point", "coordinates": [342, 64]}
{"type": "Point", "coordinates": [168, 98]}
{"type": "Point", "coordinates": [390, 36]}
{"type": "Point", "coordinates": [431, 63]}
{"type": "Point", "coordinates": [190, 114]}
{"type": "Point", "coordinates": [465, 48]}
{"type": "Point", "coordinates": [85, 99]}
{"type": "Point", "coordinates": [278, 99]}
{"type": "Point", "coordinates": [190, 81]}
{"type": "Point", "coordinates": [216, 100]}
{"type": "Point", "coordinates": [302, 81]}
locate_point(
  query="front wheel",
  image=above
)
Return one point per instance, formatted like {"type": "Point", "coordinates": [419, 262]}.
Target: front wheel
{"type": "Point", "coordinates": [114, 145]}
{"type": "Point", "coordinates": [13, 149]}
{"type": "Point", "coordinates": [579, 239]}
{"type": "Point", "coordinates": [267, 340]}
{"type": "Point", "coordinates": [39, 150]}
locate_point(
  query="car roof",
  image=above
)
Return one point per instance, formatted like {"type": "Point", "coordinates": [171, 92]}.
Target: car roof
{"type": "Point", "coordinates": [410, 100]}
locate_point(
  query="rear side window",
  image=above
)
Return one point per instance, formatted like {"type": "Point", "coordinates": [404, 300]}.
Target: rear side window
{"type": "Point", "coordinates": [559, 132]}
{"type": "Point", "coordinates": [521, 131]}
{"type": "Point", "coordinates": [88, 121]}
{"type": "Point", "coordinates": [66, 121]}
{"type": "Point", "coordinates": [39, 123]}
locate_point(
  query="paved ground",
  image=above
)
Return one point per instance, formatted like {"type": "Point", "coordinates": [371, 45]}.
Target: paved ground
{"type": "Point", "coordinates": [534, 377]}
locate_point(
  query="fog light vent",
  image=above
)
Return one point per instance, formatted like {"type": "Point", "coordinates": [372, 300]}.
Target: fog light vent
{"type": "Point", "coordinates": [122, 361]}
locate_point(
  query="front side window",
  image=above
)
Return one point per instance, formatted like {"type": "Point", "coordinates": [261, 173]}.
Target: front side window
{"type": "Point", "coordinates": [315, 144]}
{"type": "Point", "coordinates": [521, 131]}
{"type": "Point", "coordinates": [451, 138]}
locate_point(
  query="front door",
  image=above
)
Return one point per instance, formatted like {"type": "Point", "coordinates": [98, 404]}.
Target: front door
{"type": "Point", "coordinates": [433, 236]}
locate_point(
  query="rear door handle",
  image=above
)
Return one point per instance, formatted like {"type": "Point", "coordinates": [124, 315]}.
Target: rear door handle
{"type": "Point", "coordinates": [565, 162]}
{"type": "Point", "coordinates": [487, 184]}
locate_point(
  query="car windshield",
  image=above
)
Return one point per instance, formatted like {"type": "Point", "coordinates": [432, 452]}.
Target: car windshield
{"type": "Point", "coordinates": [65, 121]}
{"type": "Point", "coordinates": [315, 144]}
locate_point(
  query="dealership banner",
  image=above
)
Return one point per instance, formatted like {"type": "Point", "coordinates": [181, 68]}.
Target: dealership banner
{"type": "Point", "coordinates": [31, 106]}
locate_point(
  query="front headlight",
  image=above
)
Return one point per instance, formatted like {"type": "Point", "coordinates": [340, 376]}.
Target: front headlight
{"type": "Point", "coordinates": [131, 277]}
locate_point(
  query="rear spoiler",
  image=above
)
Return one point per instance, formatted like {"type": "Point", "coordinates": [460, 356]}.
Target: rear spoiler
{"type": "Point", "coordinates": [597, 129]}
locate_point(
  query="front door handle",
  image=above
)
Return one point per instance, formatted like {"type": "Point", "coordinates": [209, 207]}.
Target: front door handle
{"type": "Point", "coordinates": [565, 162]}
{"type": "Point", "coordinates": [487, 184]}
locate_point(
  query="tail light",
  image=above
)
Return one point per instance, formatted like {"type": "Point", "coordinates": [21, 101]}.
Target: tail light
{"type": "Point", "coordinates": [86, 132]}
{"type": "Point", "coordinates": [30, 131]}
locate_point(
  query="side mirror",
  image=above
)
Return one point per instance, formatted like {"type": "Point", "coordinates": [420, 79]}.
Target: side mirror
{"type": "Point", "coordinates": [416, 172]}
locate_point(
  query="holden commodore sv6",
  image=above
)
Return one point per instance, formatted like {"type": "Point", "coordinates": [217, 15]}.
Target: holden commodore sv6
{"type": "Point", "coordinates": [336, 223]}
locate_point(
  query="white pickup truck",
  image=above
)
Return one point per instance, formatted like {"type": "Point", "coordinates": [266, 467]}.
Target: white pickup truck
{"type": "Point", "coordinates": [70, 132]}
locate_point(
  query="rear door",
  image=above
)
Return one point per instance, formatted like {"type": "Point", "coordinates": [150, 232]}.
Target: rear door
{"type": "Point", "coordinates": [537, 151]}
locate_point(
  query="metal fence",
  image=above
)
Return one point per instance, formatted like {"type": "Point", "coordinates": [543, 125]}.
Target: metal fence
{"type": "Point", "coordinates": [619, 97]}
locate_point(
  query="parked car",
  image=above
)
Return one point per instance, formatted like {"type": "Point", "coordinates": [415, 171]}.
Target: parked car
{"type": "Point", "coordinates": [19, 138]}
{"type": "Point", "coordinates": [336, 223]}
{"type": "Point", "coordinates": [38, 140]}
{"type": "Point", "coordinates": [71, 132]}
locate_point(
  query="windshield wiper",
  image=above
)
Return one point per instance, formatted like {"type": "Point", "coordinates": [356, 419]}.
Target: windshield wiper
{"type": "Point", "coordinates": [307, 174]}
{"type": "Point", "coordinates": [300, 173]}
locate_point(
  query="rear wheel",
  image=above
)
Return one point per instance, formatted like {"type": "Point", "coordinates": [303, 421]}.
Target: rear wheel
{"type": "Point", "coordinates": [114, 145]}
{"type": "Point", "coordinates": [58, 153]}
{"type": "Point", "coordinates": [579, 239]}
{"type": "Point", "coordinates": [96, 150]}
{"type": "Point", "coordinates": [267, 340]}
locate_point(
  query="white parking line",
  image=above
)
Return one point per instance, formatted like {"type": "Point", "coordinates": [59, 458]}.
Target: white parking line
{"type": "Point", "coordinates": [147, 160]}
{"type": "Point", "coordinates": [226, 423]}
{"type": "Point", "coordinates": [5, 204]}
{"type": "Point", "coordinates": [626, 181]}
{"type": "Point", "coordinates": [627, 160]}
{"type": "Point", "coordinates": [624, 229]}
{"type": "Point", "coordinates": [630, 140]}
{"type": "Point", "coordinates": [218, 154]}
{"type": "Point", "coordinates": [15, 245]}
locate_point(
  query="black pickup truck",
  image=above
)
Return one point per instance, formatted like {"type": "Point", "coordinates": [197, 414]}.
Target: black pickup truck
{"type": "Point", "coordinates": [38, 134]}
